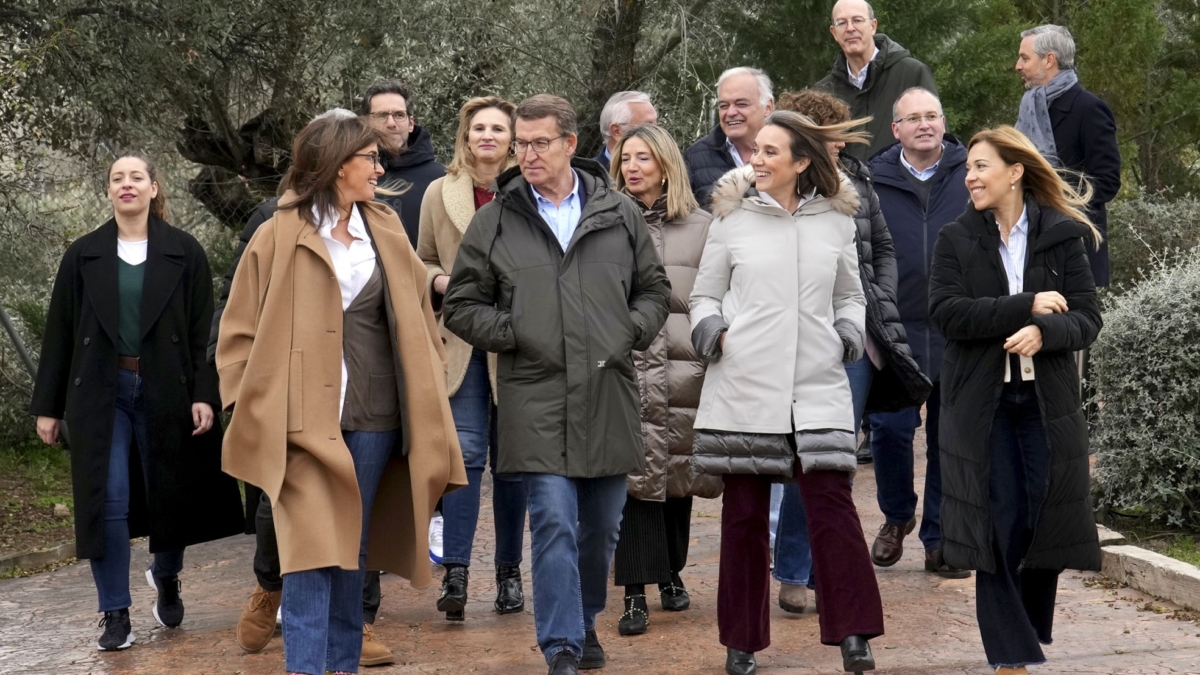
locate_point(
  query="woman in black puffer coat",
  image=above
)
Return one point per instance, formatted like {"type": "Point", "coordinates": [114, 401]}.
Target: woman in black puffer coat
{"type": "Point", "coordinates": [886, 378]}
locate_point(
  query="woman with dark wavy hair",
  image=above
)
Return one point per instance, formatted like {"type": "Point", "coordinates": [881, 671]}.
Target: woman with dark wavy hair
{"type": "Point", "coordinates": [329, 350]}
{"type": "Point", "coordinates": [778, 309]}
{"type": "Point", "coordinates": [1011, 290]}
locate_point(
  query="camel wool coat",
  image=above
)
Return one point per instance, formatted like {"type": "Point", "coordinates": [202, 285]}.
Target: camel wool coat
{"type": "Point", "coordinates": [446, 212]}
{"type": "Point", "coordinates": [279, 360]}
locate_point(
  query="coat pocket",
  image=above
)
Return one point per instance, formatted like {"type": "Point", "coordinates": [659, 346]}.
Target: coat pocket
{"type": "Point", "coordinates": [295, 404]}
{"type": "Point", "coordinates": [385, 397]}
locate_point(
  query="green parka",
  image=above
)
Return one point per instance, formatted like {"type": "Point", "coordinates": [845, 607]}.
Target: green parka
{"type": "Point", "coordinates": [564, 325]}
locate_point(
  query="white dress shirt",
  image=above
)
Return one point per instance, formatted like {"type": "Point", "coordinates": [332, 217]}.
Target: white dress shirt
{"type": "Point", "coordinates": [1012, 254]}
{"type": "Point", "coordinates": [353, 267]}
{"type": "Point", "coordinates": [132, 252]}
{"type": "Point", "coordinates": [861, 78]}
{"type": "Point", "coordinates": [927, 173]}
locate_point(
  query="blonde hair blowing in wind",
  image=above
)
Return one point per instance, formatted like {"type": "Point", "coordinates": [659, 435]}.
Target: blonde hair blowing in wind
{"type": "Point", "coordinates": [680, 200]}
{"type": "Point", "coordinates": [464, 160]}
{"type": "Point", "coordinates": [1040, 177]}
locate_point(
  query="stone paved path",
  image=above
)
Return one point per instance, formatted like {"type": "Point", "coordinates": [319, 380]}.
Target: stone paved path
{"type": "Point", "coordinates": [48, 624]}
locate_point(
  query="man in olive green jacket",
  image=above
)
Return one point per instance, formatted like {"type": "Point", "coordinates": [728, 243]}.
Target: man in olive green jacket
{"type": "Point", "coordinates": [559, 277]}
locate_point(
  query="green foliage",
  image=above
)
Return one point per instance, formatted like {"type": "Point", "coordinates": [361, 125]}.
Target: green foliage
{"type": "Point", "coordinates": [1148, 232]}
{"type": "Point", "coordinates": [1146, 370]}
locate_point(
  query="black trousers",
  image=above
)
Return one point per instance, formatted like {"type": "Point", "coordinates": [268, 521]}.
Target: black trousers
{"type": "Point", "coordinates": [266, 561]}
{"type": "Point", "coordinates": [1015, 606]}
{"type": "Point", "coordinates": [653, 541]}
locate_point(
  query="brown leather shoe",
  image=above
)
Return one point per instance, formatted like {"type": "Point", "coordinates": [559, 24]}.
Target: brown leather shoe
{"type": "Point", "coordinates": [889, 543]}
{"type": "Point", "coordinates": [256, 626]}
{"type": "Point", "coordinates": [374, 652]}
{"type": "Point", "coordinates": [936, 564]}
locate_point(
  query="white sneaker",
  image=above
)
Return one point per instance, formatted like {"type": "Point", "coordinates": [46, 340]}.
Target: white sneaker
{"type": "Point", "coordinates": [435, 539]}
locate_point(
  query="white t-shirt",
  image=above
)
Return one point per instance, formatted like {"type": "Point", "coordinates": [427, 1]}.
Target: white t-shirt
{"type": "Point", "coordinates": [132, 252]}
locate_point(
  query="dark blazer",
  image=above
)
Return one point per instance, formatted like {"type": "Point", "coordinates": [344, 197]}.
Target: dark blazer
{"type": "Point", "coordinates": [1085, 133]}
{"type": "Point", "coordinates": [707, 160]}
{"type": "Point", "coordinates": [970, 304]}
{"type": "Point", "coordinates": [188, 500]}
{"type": "Point", "coordinates": [603, 161]}
{"type": "Point", "coordinates": [914, 229]}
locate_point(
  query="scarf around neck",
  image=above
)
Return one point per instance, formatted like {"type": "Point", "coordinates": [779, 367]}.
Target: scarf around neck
{"type": "Point", "coordinates": [1034, 117]}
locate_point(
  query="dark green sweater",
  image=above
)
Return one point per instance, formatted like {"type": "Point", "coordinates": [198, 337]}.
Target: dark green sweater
{"type": "Point", "coordinates": [129, 325]}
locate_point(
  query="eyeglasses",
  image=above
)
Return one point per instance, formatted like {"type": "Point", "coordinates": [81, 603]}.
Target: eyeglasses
{"type": "Point", "coordinates": [373, 156]}
{"type": "Point", "coordinates": [539, 146]}
{"type": "Point", "coordinates": [856, 21]}
{"type": "Point", "coordinates": [929, 118]}
{"type": "Point", "coordinates": [400, 115]}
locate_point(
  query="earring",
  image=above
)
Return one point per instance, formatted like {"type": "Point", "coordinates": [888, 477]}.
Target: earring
{"type": "Point", "coordinates": [663, 182]}
{"type": "Point", "coordinates": [1012, 186]}
{"type": "Point", "coordinates": [341, 175]}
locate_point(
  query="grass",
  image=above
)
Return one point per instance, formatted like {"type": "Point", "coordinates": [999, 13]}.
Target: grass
{"type": "Point", "coordinates": [1178, 544]}
{"type": "Point", "coordinates": [34, 478]}
{"type": "Point", "coordinates": [1183, 548]}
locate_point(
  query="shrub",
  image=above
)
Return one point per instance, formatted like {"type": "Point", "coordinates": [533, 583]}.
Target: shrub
{"type": "Point", "coordinates": [1148, 232]}
{"type": "Point", "coordinates": [1146, 370]}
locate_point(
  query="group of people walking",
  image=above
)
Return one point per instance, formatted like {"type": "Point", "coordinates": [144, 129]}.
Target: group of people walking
{"type": "Point", "coordinates": [613, 337]}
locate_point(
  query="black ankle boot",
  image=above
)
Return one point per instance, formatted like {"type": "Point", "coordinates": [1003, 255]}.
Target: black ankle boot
{"type": "Point", "coordinates": [856, 655]}
{"type": "Point", "coordinates": [674, 596]}
{"type": "Point", "coordinates": [636, 616]}
{"type": "Point", "coordinates": [739, 662]}
{"type": "Point", "coordinates": [509, 596]}
{"type": "Point", "coordinates": [453, 599]}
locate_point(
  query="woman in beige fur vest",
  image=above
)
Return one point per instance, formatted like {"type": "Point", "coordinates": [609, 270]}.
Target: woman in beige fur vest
{"type": "Point", "coordinates": [481, 151]}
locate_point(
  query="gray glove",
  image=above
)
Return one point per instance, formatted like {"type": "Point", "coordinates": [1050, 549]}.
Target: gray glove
{"type": "Point", "coordinates": [852, 340]}
{"type": "Point", "coordinates": [707, 337]}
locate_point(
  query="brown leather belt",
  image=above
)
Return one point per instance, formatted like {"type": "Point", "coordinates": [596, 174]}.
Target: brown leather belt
{"type": "Point", "coordinates": [128, 363]}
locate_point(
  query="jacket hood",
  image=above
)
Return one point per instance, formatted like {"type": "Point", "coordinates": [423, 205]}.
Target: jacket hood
{"type": "Point", "coordinates": [419, 151]}
{"type": "Point", "coordinates": [885, 164]}
{"type": "Point", "coordinates": [593, 176]}
{"type": "Point", "coordinates": [736, 187]}
{"type": "Point", "coordinates": [890, 53]}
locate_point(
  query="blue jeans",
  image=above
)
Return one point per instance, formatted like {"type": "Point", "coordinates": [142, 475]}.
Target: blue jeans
{"type": "Point", "coordinates": [111, 572]}
{"type": "Point", "coordinates": [892, 451]}
{"type": "Point", "coordinates": [793, 555]}
{"type": "Point", "coordinates": [573, 528]}
{"type": "Point", "coordinates": [475, 420]}
{"type": "Point", "coordinates": [322, 608]}
{"type": "Point", "coordinates": [1015, 605]}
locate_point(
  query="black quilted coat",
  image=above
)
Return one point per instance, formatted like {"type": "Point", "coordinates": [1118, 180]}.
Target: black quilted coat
{"type": "Point", "coordinates": [969, 303]}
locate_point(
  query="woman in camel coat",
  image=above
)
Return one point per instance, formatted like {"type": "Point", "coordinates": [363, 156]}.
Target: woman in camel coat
{"type": "Point", "coordinates": [481, 151]}
{"type": "Point", "coordinates": [291, 359]}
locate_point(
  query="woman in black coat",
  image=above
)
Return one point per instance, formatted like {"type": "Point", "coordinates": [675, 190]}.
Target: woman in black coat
{"type": "Point", "coordinates": [123, 363]}
{"type": "Point", "coordinates": [1012, 292]}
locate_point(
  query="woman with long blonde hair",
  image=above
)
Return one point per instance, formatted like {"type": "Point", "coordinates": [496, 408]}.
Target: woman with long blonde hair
{"type": "Point", "coordinates": [1012, 292]}
{"type": "Point", "coordinates": [656, 523]}
{"type": "Point", "coordinates": [482, 149]}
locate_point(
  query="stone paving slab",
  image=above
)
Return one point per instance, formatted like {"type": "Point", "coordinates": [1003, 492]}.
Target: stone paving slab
{"type": "Point", "coordinates": [48, 622]}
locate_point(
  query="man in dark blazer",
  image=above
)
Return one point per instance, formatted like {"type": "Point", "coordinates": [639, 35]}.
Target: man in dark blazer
{"type": "Point", "coordinates": [1070, 125]}
{"type": "Point", "coordinates": [744, 99]}
{"type": "Point", "coordinates": [623, 110]}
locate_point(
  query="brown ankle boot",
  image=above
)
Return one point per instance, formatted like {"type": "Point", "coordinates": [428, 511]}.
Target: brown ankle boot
{"type": "Point", "coordinates": [256, 627]}
{"type": "Point", "coordinates": [374, 652]}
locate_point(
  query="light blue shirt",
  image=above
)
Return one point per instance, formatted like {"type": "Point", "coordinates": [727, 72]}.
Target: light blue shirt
{"type": "Point", "coordinates": [1012, 254]}
{"type": "Point", "coordinates": [927, 173]}
{"type": "Point", "coordinates": [733, 152]}
{"type": "Point", "coordinates": [562, 219]}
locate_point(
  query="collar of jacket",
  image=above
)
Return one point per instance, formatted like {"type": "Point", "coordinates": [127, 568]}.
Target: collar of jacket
{"type": "Point", "coordinates": [735, 190]}
{"type": "Point", "coordinates": [1066, 100]}
{"type": "Point", "coordinates": [164, 267]}
{"type": "Point", "coordinates": [289, 226]}
{"type": "Point", "coordinates": [1047, 226]}
{"type": "Point", "coordinates": [890, 53]}
{"type": "Point", "coordinates": [513, 191]}
{"type": "Point", "coordinates": [716, 140]}
{"type": "Point", "coordinates": [458, 196]}
{"type": "Point", "coordinates": [885, 164]}
{"type": "Point", "coordinates": [419, 151]}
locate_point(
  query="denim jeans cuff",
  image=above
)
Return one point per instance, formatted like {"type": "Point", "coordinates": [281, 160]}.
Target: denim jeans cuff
{"type": "Point", "coordinates": [551, 651]}
{"type": "Point", "coordinates": [780, 579]}
{"type": "Point", "coordinates": [465, 562]}
{"type": "Point", "coordinates": [512, 563]}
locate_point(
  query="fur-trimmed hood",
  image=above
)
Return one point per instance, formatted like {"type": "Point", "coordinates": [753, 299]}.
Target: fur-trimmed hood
{"type": "Point", "coordinates": [735, 190]}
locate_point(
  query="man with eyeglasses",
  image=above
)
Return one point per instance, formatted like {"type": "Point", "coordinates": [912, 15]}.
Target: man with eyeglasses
{"type": "Point", "coordinates": [744, 99]}
{"type": "Point", "coordinates": [407, 150]}
{"type": "Point", "coordinates": [921, 183]}
{"type": "Point", "coordinates": [870, 73]}
{"type": "Point", "coordinates": [558, 275]}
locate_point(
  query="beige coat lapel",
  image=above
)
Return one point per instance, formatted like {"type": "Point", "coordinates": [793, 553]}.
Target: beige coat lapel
{"type": "Point", "coordinates": [458, 196]}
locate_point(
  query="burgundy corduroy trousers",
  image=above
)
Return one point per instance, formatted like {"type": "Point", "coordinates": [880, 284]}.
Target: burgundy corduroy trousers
{"type": "Point", "coordinates": [847, 593]}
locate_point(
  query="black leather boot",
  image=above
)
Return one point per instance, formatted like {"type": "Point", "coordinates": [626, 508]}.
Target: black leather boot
{"type": "Point", "coordinates": [509, 596]}
{"type": "Point", "coordinates": [740, 663]}
{"type": "Point", "coordinates": [674, 596]}
{"type": "Point", "coordinates": [856, 655]}
{"type": "Point", "coordinates": [636, 616]}
{"type": "Point", "coordinates": [453, 599]}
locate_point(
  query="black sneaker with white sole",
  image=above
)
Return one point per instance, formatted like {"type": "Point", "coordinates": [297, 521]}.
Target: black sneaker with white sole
{"type": "Point", "coordinates": [118, 634]}
{"type": "Point", "coordinates": [168, 611]}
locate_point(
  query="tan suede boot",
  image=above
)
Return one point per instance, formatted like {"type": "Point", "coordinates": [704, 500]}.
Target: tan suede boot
{"type": "Point", "coordinates": [256, 627]}
{"type": "Point", "coordinates": [793, 598]}
{"type": "Point", "coordinates": [374, 652]}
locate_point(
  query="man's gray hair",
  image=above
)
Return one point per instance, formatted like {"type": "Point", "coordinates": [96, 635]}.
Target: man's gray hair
{"type": "Point", "coordinates": [766, 92]}
{"type": "Point", "coordinates": [870, 9]}
{"type": "Point", "coordinates": [334, 114]}
{"type": "Point", "coordinates": [914, 90]}
{"type": "Point", "coordinates": [1051, 38]}
{"type": "Point", "coordinates": [619, 111]}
